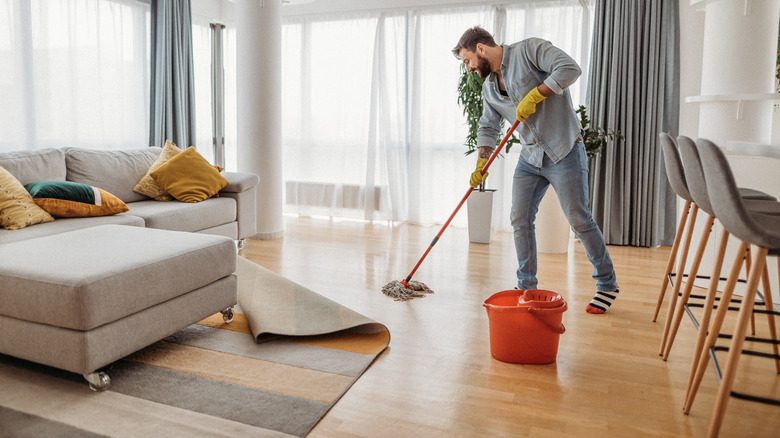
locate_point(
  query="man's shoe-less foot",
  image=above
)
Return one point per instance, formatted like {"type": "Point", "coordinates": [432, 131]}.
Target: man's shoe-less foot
{"type": "Point", "coordinates": [601, 302]}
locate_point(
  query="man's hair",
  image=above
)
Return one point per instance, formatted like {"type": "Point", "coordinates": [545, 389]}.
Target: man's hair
{"type": "Point", "coordinates": [472, 37]}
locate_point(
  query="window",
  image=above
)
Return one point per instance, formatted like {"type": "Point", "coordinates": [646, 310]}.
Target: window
{"type": "Point", "coordinates": [371, 124]}
{"type": "Point", "coordinates": [74, 73]}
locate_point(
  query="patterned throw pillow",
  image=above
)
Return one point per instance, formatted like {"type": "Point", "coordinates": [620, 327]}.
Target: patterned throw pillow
{"type": "Point", "coordinates": [148, 186]}
{"type": "Point", "coordinates": [69, 199]}
{"type": "Point", "coordinates": [17, 209]}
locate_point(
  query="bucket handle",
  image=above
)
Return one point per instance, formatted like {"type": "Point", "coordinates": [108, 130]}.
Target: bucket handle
{"type": "Point", "coordinates": [560, 330]}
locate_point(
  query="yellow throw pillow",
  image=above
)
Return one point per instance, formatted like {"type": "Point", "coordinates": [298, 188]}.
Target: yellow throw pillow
{"type": "Point", "coordinates": [148, 186]}
{"type": "Point", "coordinates": [17, 209]}
{"type": "Point", "coordinates": [70, 199]}
{"type": "Point", "coordinates": [188, 177]}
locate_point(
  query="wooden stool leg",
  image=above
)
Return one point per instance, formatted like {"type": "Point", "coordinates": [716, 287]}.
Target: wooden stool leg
{"type": "Point", "coordinates": [709, 304]}
{"type": "Point", "coordinates": [672, 257]}
{"type": "Point", "coordinates": [770, 307]}
{"type": "Point", "coordinates": [748, 262]}
{"type": "Point", "coordinates": [680, 271]}
{"type": "Point", "coordinates": [680, 310]}
{"type": "Point", "coordinates": [717, 323]}
{"type": "Point", "coordinates": [737, 341]}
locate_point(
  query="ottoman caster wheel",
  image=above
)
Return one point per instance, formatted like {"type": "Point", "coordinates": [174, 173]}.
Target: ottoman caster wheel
{"type": "Point", "coordinates": [98, 381]}
{"type": "Point", "coordinates": [227, 315]}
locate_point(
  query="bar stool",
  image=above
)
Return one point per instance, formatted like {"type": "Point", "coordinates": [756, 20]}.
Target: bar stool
{"type": "Point", "coordinates": [695, 179]}
{"type": "Point", "coordinates": [676, 175]}
{"type": "Point", "coordinates": [760, 230]}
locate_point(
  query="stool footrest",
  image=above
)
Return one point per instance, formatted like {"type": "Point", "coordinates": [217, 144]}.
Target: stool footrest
{"type": "Point", "coordinates": [741, 395]}
{"type": "Point", "coordinates": [755, 398]}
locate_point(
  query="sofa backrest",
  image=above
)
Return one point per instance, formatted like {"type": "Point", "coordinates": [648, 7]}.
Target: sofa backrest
{"type": "Point", "coordinates": [116, 172]}
{"type": "Point", "coordinates": [35, 165]}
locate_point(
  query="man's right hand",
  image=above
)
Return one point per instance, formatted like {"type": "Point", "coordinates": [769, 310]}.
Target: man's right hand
{"type": "Point", "coordinates": [477, 177]}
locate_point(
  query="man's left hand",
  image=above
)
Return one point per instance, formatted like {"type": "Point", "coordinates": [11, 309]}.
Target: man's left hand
{"type": "Point", "coordinates": [527, 106]}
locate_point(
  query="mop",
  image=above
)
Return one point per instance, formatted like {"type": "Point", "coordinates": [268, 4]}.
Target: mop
{"type": "Point", "coordinates": [407, 289]}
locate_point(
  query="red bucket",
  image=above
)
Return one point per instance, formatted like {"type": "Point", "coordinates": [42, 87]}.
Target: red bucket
{"type": "Point", "coordinates": [525, 326]}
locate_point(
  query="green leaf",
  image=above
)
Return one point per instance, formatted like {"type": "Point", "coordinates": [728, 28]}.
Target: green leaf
{"type": "Point", "coordinates": [595, 138]}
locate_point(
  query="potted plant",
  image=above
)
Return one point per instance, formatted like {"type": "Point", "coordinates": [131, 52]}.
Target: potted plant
{"type": "Point", "coordinates": [470, 98]}
{"type": "Point", "coordinates": [480, 203]}
{"type": "Point", "coordinates": [595, 138]}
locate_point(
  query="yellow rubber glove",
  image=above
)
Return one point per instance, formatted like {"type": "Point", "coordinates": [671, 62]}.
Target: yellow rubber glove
{"type": "Point", "coordinates": [477, 177]}
{"type": "Point", "coordinates": [527, 106]}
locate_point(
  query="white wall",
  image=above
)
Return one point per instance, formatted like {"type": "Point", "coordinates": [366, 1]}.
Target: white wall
{"type": "Point", "coordinates": [757, 172]}
{"type": "Point", "coordinates": [217, 11]}
{"type": "Point", "coordinates": [691, 43]}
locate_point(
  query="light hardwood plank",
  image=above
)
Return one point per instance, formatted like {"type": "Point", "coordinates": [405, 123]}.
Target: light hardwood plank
{"type": "Point", "coordinates": [438, 379]}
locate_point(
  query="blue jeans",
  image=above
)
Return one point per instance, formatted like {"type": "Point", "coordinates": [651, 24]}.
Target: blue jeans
{"type": "Point", "coordinates": [569, 178]}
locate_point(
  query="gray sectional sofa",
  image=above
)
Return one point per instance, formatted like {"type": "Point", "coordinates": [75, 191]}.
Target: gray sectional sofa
{"type": "Point", "coordinates": [232, 214]}
{"type": "Point", "coordinates": [81, 293]}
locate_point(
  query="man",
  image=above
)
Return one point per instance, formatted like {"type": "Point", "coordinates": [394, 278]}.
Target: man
{"type": "Point", "coordinates": [528, 81]}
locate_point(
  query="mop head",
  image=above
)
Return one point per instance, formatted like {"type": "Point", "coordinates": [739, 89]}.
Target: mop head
{"type": "Point", "coordinates": [396, 289]}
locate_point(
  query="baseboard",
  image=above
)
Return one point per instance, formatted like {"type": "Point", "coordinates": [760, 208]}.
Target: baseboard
{"type": "Point", "coordinates": [268, 235]}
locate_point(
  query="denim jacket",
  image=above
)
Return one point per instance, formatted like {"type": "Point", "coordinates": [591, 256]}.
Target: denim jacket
{"type": "Point", "coordinates": [554, 127]}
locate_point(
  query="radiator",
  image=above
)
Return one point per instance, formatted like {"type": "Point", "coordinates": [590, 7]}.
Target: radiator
{"type": "Point", "coordinates": [331, 195]}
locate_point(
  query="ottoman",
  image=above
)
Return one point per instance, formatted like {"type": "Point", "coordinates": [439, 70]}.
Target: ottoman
{"type": "Point", "coordinates": [83, 299]}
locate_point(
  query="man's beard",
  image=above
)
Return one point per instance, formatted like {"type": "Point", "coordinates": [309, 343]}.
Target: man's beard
{"type": "Point", "coordinates": [483, 68]}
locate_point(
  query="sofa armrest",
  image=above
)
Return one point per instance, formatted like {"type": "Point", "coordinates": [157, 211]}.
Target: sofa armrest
{"type": "Point", "coordinates": [243, 188]}
{"type": "Point", "coordinates": [239, 182]}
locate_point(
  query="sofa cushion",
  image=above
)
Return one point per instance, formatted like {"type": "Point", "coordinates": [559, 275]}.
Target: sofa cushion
{"type": "Point", "coordinates": [184, 216]}
{"type": "Point", "coordinates": [148, 186]}
{"type": "Point", "coordinates": [64, 225]}
{"type": "Point", "coordinates": [102, 274]}
{"type": "Point", "coordinates": [35, 165]}
{"type": "Point", "coordinates": [116, 172]}
{"type": "Point", "coordinates": [17, 209]}
{"type": "Point", "coordinates": [69, 199]}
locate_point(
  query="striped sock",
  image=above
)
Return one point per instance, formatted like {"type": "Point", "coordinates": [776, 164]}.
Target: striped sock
{"type": "Point", "coordinates": [601, 302]}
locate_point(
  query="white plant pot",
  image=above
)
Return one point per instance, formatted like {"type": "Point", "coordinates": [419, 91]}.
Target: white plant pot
{"type": "Point", "coordinates": [480, 214]}
{"type": "Point", "coordinates": [552, 228]}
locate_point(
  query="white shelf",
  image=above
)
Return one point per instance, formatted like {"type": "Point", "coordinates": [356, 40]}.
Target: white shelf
{"type": "Point", "coordinates": [733, 97]}
{"type": "Point", "coordinates": [701, 4]}
{"type": "Point", "coordinates": [751, 148]}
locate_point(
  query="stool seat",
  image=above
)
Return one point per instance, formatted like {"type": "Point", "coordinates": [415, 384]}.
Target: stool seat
{"type": "Point", "coordinates": [771, 208]}
{"type": "Point", "coordinates": [753, 194]}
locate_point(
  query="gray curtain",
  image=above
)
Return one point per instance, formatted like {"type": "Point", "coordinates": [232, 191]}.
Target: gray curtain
{"type": "Point", "coordinates": [634, 88]}
{"type": "Point", "coordinates": [172, 99]}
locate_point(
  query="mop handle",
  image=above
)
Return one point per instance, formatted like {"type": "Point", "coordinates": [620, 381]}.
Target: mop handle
{"type": "Point", "coordinates": [460, 204]}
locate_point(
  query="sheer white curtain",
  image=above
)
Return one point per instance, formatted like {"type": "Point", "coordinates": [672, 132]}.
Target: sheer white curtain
{"type": "Point", "coordinates": [427, 169]}
{"type": "Point", "coordinates": [231, 128]}
{"type": "Point", "coordinates": [201, 49]}
{"type": "Point", "coordinates": [74, 73]}
{"type": "Point", "coordinates": [372, 128]}
{"type": "Point", "coordinates": [201, 46]}
{"type": "Point", "coordinates": [327, 78]}
{"type": "Point", "coordinates": [565, 23]}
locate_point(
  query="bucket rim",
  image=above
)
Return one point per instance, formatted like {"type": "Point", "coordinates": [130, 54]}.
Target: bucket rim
{"type": "Point", "coordinates": [531, 298]}
{"type": "Point", "coordinates": [528, 309]}
{"type": "Point", "coordinates": [556, 305]}
{"type": "Point", "coordinates": [518, 293]}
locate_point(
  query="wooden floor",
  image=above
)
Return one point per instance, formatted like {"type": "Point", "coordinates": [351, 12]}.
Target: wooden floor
{"type": "Point", "coordinates": [438, 379]}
